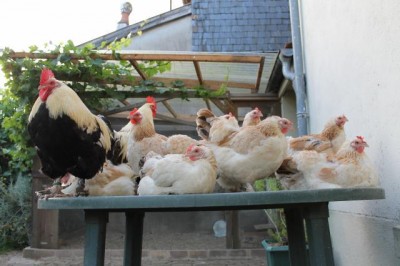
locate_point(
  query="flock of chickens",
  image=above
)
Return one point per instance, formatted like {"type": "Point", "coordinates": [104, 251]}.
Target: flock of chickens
{"type": "Point", "coordinates": [85, 156]}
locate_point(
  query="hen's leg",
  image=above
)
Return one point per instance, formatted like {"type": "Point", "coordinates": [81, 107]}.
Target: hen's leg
{"type": "Point", "coordinates": [80, 189]}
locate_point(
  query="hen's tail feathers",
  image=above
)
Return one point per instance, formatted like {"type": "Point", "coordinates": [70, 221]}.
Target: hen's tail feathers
{"type": "Point", "coordinates": [203, 124]}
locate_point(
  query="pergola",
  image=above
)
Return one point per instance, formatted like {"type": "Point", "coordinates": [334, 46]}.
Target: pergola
{"type": "Point", "coordinates": [251, 79]}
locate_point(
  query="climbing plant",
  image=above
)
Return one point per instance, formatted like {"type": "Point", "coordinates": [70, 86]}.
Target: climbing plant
{"type": "Point", "coordinates": [99, 82]}
{"type": "Point", "coordinates": [17, 98]}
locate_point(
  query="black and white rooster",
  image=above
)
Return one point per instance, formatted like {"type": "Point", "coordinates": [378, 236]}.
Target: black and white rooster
{"type": "Point", "coordinates": [69, 138]}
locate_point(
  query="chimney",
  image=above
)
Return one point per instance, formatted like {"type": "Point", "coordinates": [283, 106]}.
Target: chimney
{"type": "Point", "coordinates": [126, 9]}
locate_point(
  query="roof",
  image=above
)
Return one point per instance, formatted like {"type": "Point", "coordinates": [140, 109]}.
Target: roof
{"type": "Point", "coordinates": [216, 26]}
{"type": "Point", "coordinates": [150, 23]}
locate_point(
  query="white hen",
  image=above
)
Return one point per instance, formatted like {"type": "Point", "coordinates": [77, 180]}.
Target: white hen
{"type": "Point", "coordinates": [192, 172]}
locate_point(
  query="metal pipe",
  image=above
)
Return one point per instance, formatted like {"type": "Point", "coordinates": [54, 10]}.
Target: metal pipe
{"type": "Point", "coordinates": [299, 77]}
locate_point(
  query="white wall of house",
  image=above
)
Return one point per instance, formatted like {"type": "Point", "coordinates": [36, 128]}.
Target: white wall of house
{"type": "Point", "coordinates": [176, 36]}
{"type": "Point", "coordinates": [352, 64]}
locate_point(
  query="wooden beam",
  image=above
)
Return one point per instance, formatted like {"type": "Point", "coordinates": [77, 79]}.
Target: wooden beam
{"type": "Point", "coordinates": [207, 101]}
{"type": "Point", "coordinates": [170, 109]}
{"type": "Point", "coordinates": [175, 120]}
{"type": "Point", "coordinates": [198, 72]}
{"type": "Point", "coordinates": [259, 75]}
{"type": "Point", "coordinates": [181, 57]}
{"type": "Point", "coordinates": [135, 64]}
{"type": "Point", "coordinates": [190, 83]}
{"type": "Point", "coordinates": [225, 109]}
{"type": "Point", "coordinates": [250, 97]}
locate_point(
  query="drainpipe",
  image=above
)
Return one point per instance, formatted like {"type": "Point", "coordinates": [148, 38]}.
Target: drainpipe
{"type": "Point", "coordinates": [297, 76]}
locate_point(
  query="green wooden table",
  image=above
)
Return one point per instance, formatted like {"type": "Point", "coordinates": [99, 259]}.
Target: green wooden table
{"type": "Point", "coordinates": [310, 206]}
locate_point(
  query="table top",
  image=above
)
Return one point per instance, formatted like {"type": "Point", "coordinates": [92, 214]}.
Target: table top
{"type": "Point", "coordinates": [213, 201]}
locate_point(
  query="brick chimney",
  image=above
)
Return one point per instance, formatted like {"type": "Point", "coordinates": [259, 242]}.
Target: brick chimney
{"type": "Point", "coordinates": [126, 9]}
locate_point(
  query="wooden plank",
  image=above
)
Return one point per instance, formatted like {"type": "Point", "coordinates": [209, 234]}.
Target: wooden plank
{"type": "Point", "coordinates": [45, 223]}
{"type": "Point", "coordinates": [175, 120]}
{"type": "Point", "coordinates": [189, 83]}
{"type": "Point", "coordinates": [198, 72]}
{"type": "Point", "coordinates": [259, 75]}
{"type": "Point", "coordinates": [232, 229]}
{"type": "Point", "coordinates": [182, 57]}
{"type": "Point", "coordinates": [170, 109]}
{"type": "Point", "coordinates": [135, 64]}
{"type": "Point", "coordinates": [220, 105]}
{"type": "Point", "coordinates": [207, 101]}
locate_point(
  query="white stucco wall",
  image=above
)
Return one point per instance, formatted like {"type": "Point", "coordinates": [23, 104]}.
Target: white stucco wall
{"type": "Point", "coordinates": [352, 64]}
{"type": "Point", "coordinates": [174, 36]}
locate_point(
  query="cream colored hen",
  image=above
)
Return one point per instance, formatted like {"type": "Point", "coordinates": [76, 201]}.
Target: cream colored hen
{"type": "Point", "coordinates": [192, 172]}
{"type": "Point", "coordinates": [350, 167]}
{"type": "Point", "coordinates": [328, 141]}
{"type": "Point", "coordinates": [216, 129]}
{"type": "Point", "coordinates": [143, 137]}
{"type": "Point", "coordinates": [253, 153]}
{"type": "Point", "coordinates": [252, 118]}
{"type": "Point", "coordinates": [113, 180]}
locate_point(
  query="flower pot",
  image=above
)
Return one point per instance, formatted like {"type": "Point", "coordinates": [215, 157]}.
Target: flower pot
{"type": "Point", "coordinates": [276, 255]}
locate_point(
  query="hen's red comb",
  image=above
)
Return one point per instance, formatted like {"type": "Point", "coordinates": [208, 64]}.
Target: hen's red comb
{"type": "Point", "coordinates": [46, 75]}
{"type": "Point", "coordinates": [361, 138]}
{"type": "Point", "coordinates": [150, 99]}
{"type": "Point", "coordinates": [190, 148]}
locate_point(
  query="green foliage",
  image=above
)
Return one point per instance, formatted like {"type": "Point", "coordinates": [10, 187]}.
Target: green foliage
{"type": "Point", "coordinates": [99, 83]}
{"type": "Point", "coordinates": [278, 235]}
{"type": "Point", "coordinates": [16, 100]}
{"type": "Point", "coordinates": [15, 213]}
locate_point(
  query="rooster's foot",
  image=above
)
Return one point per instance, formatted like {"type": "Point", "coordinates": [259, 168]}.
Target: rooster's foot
{"type": "Point", "coordinates": [51, 192]}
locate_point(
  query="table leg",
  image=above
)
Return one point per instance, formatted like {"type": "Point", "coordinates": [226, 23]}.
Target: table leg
{"type": "Point", "coordinates": [296, 237]}
{"type": "Point", "coordinates": [133, 238]}
{"type": "Point", "coordinates": [319, 238]}
{"type": "Point", "coordinates": [232, 229]}
{"type": "Point", "coordinates": [95, 237]}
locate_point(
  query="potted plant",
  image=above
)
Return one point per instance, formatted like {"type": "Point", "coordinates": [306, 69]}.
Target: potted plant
{"type": "Point", "coordinates": [276, 244]}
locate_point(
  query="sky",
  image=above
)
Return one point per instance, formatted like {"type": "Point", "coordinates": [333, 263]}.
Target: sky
{"type": "Point", "coordinates": [27, 22]}
{"type": "Point", "coordinates": [35, 22]}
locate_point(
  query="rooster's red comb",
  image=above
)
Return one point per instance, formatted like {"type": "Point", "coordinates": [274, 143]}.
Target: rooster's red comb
{"type": "Point", "coordinates": [46, 75]}
{"type": "Point", "coordinates": [150, 99]}
{"type": "Point", "coordinates": [134, 110]}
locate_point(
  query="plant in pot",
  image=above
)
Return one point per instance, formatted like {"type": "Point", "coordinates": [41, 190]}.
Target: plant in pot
{"type": "Point", "coordinates": [276, 242]}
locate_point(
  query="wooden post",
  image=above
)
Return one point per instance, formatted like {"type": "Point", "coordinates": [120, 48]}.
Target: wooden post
{"type": "Point", "coordinates": [232, 229]}
{"type": "Point", "coordinates": [44, 222]}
